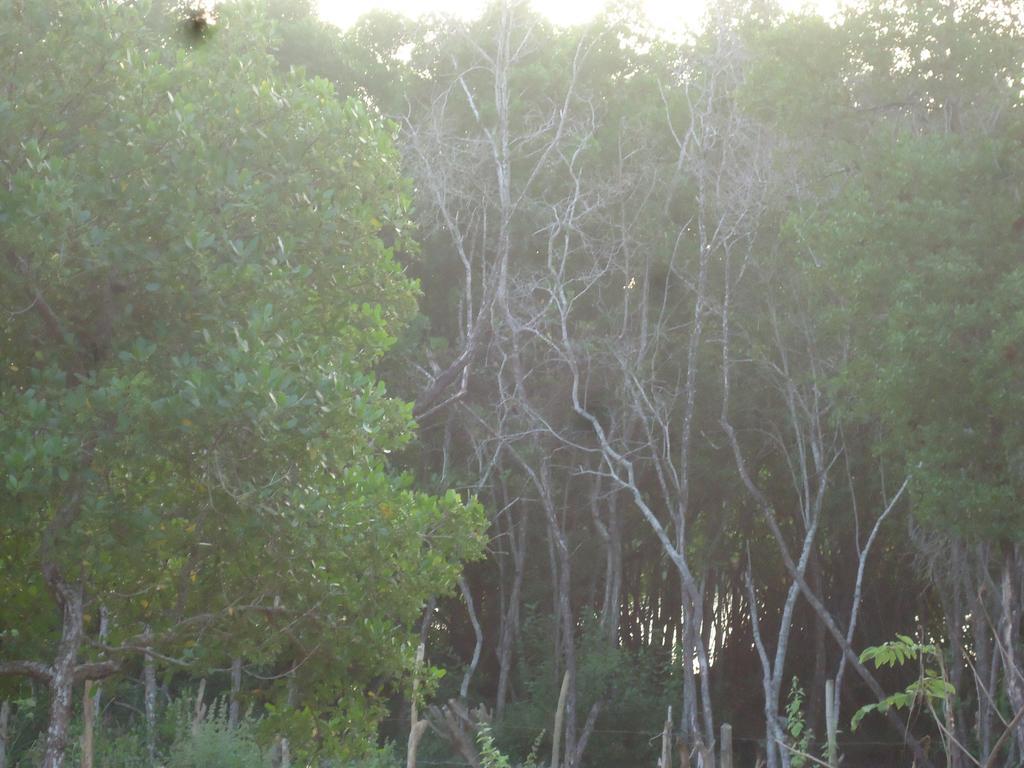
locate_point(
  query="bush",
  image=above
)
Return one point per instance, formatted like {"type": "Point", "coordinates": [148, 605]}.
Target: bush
{"type": "Point", "coordinates": [211, 743]}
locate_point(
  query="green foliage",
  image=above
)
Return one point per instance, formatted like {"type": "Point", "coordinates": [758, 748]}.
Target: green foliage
{"type": "Point", "coordinates": [490, 755]}
{"type": "Point", "coordinates": [635, 688]}
{"type": "Point", "coordinates": [212, 743]}
{"type": "Point", "coordinates": [921, 255]}
{"type": "Point", "coordinates": [931, 685]}
{"type": "Point", "coordinates": [192, 421]}
{"type": "Point", "coordinates": [800, 737]}
{"type": "Point", "coordinates": [382, 757]}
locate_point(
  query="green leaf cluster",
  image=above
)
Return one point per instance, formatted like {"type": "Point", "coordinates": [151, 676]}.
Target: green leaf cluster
{"type": "Point", "coordinates": [196, 295]}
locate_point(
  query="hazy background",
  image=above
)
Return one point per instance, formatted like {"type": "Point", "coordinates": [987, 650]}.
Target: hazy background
{"type": "Point", "coordinates": [667, 15]}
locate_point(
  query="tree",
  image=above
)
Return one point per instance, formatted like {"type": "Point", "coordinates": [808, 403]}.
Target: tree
{"type": "Point", "coordinates": [195, 298]}
{"type": "Point", "coordinates": [920, 253]}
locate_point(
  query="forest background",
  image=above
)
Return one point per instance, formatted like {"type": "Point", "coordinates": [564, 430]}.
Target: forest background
{"type": "Point", "coordinates": [619, 374]}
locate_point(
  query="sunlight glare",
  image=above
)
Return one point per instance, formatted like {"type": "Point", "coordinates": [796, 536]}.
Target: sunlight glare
{"type": "Point", "coordinates": [666, 15]}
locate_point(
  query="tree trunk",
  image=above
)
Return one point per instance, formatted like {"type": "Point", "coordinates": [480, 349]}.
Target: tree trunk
{"type": "Point", "coordinates": [816, 699]}
{"type": "Point", "coordinates": [831, 724]}
{"type": "Point", "coordinates": [478, 636]}
{"type": "Point", "coordinates": [149, 698]}
{"type": "Point", "coordinates": [62, 679]}
{"type": "Point", "coordinates": [97, 695]}
{"type": "Point", "coordinates": [236, 686]}
{"type": "Point", "coordinates": [556, 732]}
{"type": "Point", "coordinates": [416, 726]}
{"type": "Point", "coordinates": [983, 662]}
{"type": "Point", "coordinates": [510, 620]}
{"type": "Point", "coordinates": [1010, 634]}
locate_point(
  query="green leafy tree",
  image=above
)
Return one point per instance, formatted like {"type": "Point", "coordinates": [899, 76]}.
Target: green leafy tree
{"type": "Point", "coordinates": [195, 298]}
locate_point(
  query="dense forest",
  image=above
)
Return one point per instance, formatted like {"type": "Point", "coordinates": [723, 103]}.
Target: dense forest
{"type": "Point", "coordinates": [485, 392]}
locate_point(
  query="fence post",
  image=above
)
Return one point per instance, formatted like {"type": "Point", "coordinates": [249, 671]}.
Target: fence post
{"type": "Point", "coordinates": [831, 720]}
{"type": "Point", "coordinates": [87, 722]}
{"type": "Point", "coordinates": [726, 738]}
{"type": "Point", "coordinates": [666, 741]}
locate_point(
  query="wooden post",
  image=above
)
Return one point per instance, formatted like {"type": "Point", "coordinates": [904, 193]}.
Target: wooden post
{"type": "Point", "coordinates": [831, 721]}
{"type": "Point", "coordinates": [705, 755]}
{"type": "Point", "coordinates": [87, 718]}
{"type": "Point", "coordinates": [417, 727]}
{"type": "Point", "coordinates": [666, 741]}
{"type": "Point", "coordinates": [556, 735]}
{"type": "Point", "coordinates": [726, 760]}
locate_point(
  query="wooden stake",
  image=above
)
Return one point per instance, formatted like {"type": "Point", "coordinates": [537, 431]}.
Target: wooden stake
{"type": "Point", "coordinates": [666, 741]}
{"type": "Point", "coordinates": [726, 745]}
{"type": "Point", "coordinates": [87, 718]}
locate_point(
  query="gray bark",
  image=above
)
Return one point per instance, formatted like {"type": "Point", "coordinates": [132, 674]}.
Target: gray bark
{"type": "Point", "coordinates": [477, 634]}
{"type": "Point", "coordinates": [510, 618]}
{"type": "Point", "coordinates": [1009, 632]}
{"type": "Point", "coordinates": [62, 678]}
{"type": "Point", "coordinates": [149, 697]}
{"type": "Point", "coordinates": [556, 730]}
{"type": "Point", "coordinates": [234, 706]}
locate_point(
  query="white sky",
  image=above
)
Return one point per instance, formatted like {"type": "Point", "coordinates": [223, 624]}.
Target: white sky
{"type": "Point", "coordinates": [669, 15]}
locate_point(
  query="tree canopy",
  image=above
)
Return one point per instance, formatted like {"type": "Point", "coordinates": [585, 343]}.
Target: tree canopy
{"type": "Point", "coordinates": [198, 294]}
{"type": "Point", "coordinates": [715, 343]}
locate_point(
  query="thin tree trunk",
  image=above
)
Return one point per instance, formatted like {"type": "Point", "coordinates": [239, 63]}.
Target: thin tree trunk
{"type": "Point", "coordinates": [510, 620]}
{"type": "Point", "coordinates": [149, 696]}
{"type": "Point", "coordinates": [586, 732]}
{"type": "Point", "coordinates": [97, 697]}
{"type": "Point", "coordinates": [417, 727]}
{"type": "Point", "coordinates": [293, 699]}
{"type": "Point", "coordinates": [816, 699]}
{"type": "Point", "coordinates": [556, 732]}
{"type": "Point", "coordinates": [952, 607]}
{"type": "Point", "coordinates": [1010, 635]}
{"type": "Point", "coordinates": [982, 672]}
{"type": "Point", "coordinates": [769, 685]}
{"type": "Point", "coordinates": [234, 707]}
{"type": "Point", "coordinates": [478, 635]}
{"type": "Point", "coordinates": [831, 725]}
